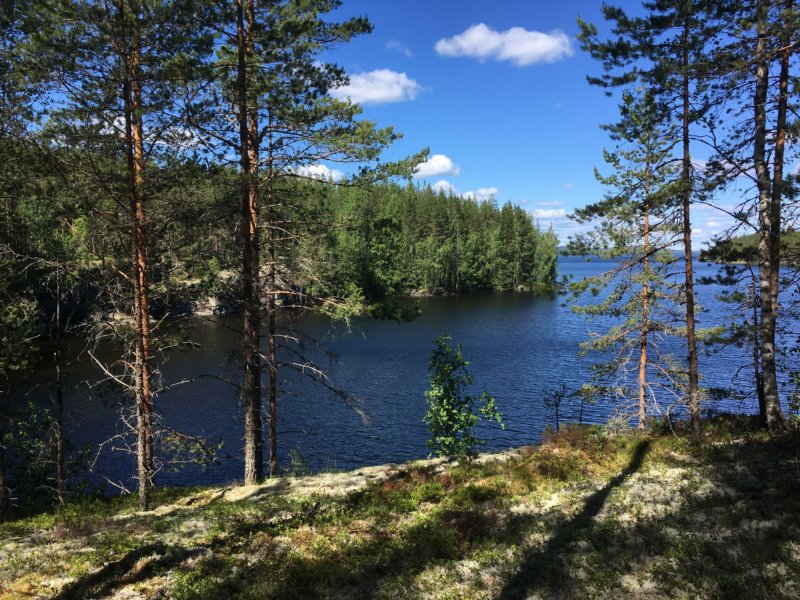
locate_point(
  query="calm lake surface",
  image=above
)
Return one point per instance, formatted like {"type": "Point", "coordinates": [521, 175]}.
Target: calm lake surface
{"type": "Point", "coordinates": [519, 346]}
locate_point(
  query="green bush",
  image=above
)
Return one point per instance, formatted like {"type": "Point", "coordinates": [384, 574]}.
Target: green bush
{"type": "Point", "coordinates": [451, 413]}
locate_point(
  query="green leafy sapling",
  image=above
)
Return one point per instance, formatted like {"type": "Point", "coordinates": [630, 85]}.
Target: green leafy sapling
{"type": "Point", "coordinates": [452, 414]}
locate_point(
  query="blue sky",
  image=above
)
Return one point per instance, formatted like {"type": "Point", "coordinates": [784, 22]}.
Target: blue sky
{"type": "Point", "coordinates": [497, 91]}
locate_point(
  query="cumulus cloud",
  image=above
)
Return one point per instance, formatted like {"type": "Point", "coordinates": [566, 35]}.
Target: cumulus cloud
{"type": "Point", "coordinates": [378, 87]}
{"type": "Point", "coordinates": [399, 47]}
{"type": "Point", "coordinates": [549, 214]}
{"type": "Point", "coordinates": [437, 165]}
{"type": "Point", "coordinates": [319, 172]}
{"type": "Point", "coordinates": [553, 203]}
{"type": "Point", "coordinates": [445, 186]}
{"type": "Point", "coordinates": [481, 194]}
{"type": "Point", "coordinates": [516, 45]}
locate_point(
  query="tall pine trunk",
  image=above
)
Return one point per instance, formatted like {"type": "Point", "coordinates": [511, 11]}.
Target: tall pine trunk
{"type": "Point", "coordinates": [769, 212]}
{"type": "Point", "coordinates": [691, 336]}
{"type": "Point", "coordinates": [134, 134]}
{"type": "Point", "coordinates": [775, 420]}
{"type": "Point", "coordinates": [645, 324]}
{"type": "Point", "coordinates": [251, 350]}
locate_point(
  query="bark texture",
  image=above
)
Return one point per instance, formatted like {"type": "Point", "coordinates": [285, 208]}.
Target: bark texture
{"type": "Point", "coordinates": [251, 291]}
{"type": "Point", "coordinates": [143, 396]}
{"type": "Point", "coordinates": [769, 210]}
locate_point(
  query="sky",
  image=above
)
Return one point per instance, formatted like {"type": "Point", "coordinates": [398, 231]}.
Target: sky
{"type": "Point", "coordinates": [497, 91]}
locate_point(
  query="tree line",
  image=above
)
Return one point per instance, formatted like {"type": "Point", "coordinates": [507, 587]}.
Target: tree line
{"type": "Point", "coordinates": [154, 152]}
{"type": "Point", "coordinates": [397, 240]}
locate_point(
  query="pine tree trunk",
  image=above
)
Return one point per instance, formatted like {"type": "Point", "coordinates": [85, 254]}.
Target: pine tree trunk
{"type": "Point", "coordinates": [775, 419]}
{"type": "Point", "coordinates": [691, 336]}
{"type": "Point", "coordinates": [248, 156]}
{"type": "Point", "coordinates": [132, 91]}
{"type": "Point", "coordinates": [645, 305]}
{"type": "Point", "coordinates": [769, 213]}
{"type": "Point", "coordinates": [59, 416]}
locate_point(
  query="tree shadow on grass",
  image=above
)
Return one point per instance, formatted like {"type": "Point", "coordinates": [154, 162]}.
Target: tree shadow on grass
{"type": "Point", "coordinates": [122, 572]}
{"type": "Point", "coordinates": [739, 532]}
{"type": "Point", "coordinates": [364, 568]}
{"type": "Point", "coordinates": [544, 568]}
{"type": "Point", "coordinates": [729, 531]}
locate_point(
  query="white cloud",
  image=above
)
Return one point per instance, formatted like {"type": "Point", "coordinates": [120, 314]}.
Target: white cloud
{"type": "Point", "coordinates": [557, 218]}
{"type": "Point", "coordinates": [550, 214]}
{"type": "Point", "coordinates": [399, 47]}
{"type": "Point", "coordinates": [319, 172]}
{"type": "Point", "coordinates": [516, 45]}
{"type": "Point", "coordinates": [481, 194]}
{"type": "Point", "coordinates": [436, 165]}
{"type": "Point", "coordinates": [445, 186]}
{"type": "Point", "coordinates": [569, 186]}
{"type": "Point", "coordinates": [378, 87]}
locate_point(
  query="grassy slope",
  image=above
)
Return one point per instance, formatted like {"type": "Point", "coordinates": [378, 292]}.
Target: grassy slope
{"type": "Point", "coordinates": [586, 515]}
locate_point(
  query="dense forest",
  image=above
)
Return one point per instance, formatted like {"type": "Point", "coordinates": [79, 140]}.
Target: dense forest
{"type": "Point", "coordinates": [405, 240]}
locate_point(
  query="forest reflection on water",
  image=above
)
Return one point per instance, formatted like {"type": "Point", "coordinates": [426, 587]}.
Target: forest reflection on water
{"type": "Point", "coordinates": [520, 347]}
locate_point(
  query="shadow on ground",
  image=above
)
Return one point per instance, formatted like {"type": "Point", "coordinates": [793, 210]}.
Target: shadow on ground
{"type": "Point", "coordinates": [718, 522]}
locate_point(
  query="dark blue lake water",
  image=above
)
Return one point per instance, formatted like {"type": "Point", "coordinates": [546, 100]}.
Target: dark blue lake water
{"type": "Point", "coordinates": [519, 346]}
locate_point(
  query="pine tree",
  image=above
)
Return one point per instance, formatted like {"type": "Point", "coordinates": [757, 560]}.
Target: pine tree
{"type": "Point", "coordinates": [667, 50]}
{"type": "Point", "coordinates": [268, 69]}
{"type": "Point", "coordinates": [23, 83]}
{"type": "Point", "coordinates": [750, 123]}
{"type": "Point", "coordinates": [636, 226]}
{"type": "Point", "coordinates": [117, 63]}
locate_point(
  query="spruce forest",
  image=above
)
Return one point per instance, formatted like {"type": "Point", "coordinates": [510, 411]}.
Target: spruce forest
{"type": "Point", "coordinates": [169, 161]}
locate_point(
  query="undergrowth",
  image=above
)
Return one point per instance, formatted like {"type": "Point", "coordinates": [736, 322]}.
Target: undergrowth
{"type": "Point", "coordinates": [586, 514]}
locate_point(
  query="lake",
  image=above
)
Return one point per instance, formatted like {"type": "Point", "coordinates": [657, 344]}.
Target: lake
{"type": "Point", "coordinates": [519, 346]}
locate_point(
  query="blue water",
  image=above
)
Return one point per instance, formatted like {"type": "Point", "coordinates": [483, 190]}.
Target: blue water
{"type": "Point", "coordinates": [519, 346]}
